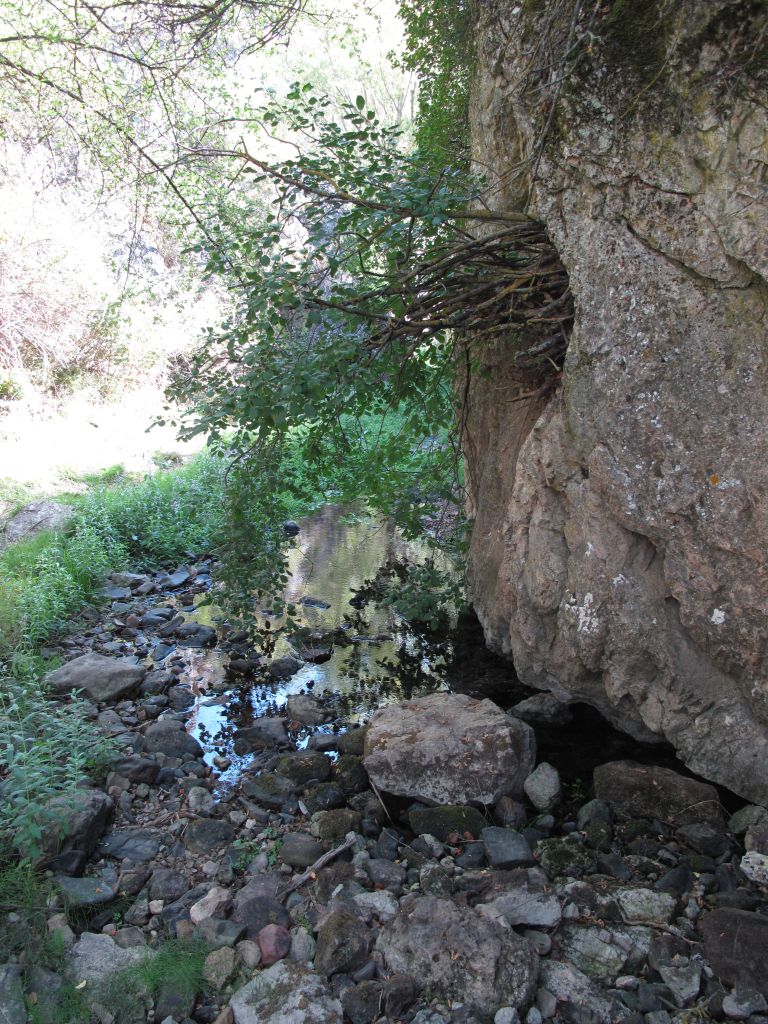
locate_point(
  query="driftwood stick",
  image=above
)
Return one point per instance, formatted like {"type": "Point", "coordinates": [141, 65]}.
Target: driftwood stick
{"type": "Point", "coordinates": [319, 863]}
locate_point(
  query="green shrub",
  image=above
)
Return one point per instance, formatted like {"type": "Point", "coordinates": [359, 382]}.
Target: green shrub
{"type": "Point", "coordinates": [43, 754]}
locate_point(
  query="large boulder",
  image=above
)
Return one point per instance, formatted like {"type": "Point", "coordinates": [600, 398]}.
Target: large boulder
{"type": "Point", "coordinates": [618, 552]}
{"type": "Point", "coordinates": [649, 791]}
{"type": "Point", "coordinates": [286, 993]}
{"type": "Point", "coordinates": [102, 678]}
{"type": "Point", "coordinates": [461, 954]}
{"type": "Point", "coordinates": [449, 749]}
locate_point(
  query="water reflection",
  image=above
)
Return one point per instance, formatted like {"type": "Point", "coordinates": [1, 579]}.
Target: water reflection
{"type": "Point", "coordinates": [375, 656]}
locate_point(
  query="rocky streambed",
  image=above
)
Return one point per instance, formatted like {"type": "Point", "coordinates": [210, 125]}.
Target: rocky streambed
{"type": "Point", "coordinates": [436, 860]}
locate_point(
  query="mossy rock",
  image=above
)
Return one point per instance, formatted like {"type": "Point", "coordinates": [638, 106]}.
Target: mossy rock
{"type": "Point", "coordinates": [304, 766]}
{"type": "Point", "coordinates": [270, 790]}
{"type": "Point", "coordinates": [564, 858]}
{"type": "Point", "coordinates": [332, 826]}
{"type": "Point", "coordinates": [352, 742]}
{"type": "Point", "coordinates": [349, 773]}
{"type": "Point", "coordinates": [598, 836]}
{"type": "Point", "coordinates": [441, 822]}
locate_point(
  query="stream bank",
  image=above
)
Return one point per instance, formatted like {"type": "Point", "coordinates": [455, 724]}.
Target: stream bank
{"type": "Point", "coordinates": [567, 893]}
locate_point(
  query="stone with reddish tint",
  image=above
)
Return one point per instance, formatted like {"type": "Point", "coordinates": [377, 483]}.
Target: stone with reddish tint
{"type": "Point", "coordinates": [274, 943]}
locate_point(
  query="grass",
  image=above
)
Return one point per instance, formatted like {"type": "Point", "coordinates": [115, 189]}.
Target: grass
{"type": "Point", "coordinates": [176, 965]}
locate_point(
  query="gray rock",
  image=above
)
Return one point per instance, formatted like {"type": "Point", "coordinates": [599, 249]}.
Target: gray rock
{"type": "Point", "coordinates": [386, 875]}
{"type": "Point", "coordinates": [542, 709]}
{"type": "Point", "coordinates": [448, 749]}
{"type": "Point", "coordinates": [103, 679]}
{"type": "Point", "coordinates": [85, 892]}
{"type": "Point", "coordinates": [286, 993]}
{"type": "Point", "coordinates": [343, 944]}
{"type": "Point", "coordinates": [300, 850]}
{"type": "Point", "coordinates": [13, 1009]}
{"type": "Point", "coordinates": [34, 518]}
{"type": "Point", "coordinates": [601, 953]}
{"type": "Point", "coordinates": [506, 848]}
{"type": "Point", "coordinates": [747, 816]}
{"type": "Point", "coordinates": [646, 906]}
{"type": "Point", "coordinates": [263, 734]}
{"type": "Point", "coordinates": [137, 769]}
{"type": "Point", "coordinates": [525, 907]}
{"type": "Point", "coordinates": [168, 736]}
{"type": "Point", "coordinates": [308, 710]}
{"type": "Point", "coordinates": [362, 1003]}
{"type": "Point", "coordinates": [569, 985]}
{"type": "Point", "coordinates": [736, 946]}
{"type": "Point", "coordinates": [542, 787]}
{"type": "Point", "coordinates": [270, 790]}
{"type": "Point", "coordinates": [742, 1003]}
{"type": "Point", "coordinates": [218, 932]}
{"type": "Point", "coordinates": [167, 885]}
{"type": "Point", "coordinates": [215, 903]}
{"type": "Point", "coordinates": [302, 946]}
{"type": "Point", "coordinates": [755, 866]}
{"type": "Point", "coordinates": [682, 976]}
{"type": "Point", "coordinates": [257, 911]}
{"type": "Point", "coordinates": [137, 845]}
{"type": "Point", "coordinates": [618, 536]}
{"type": "Point", "coordinates": [80, 818]}
{"type": "Point", "coordinates": [459, 953]}
{"type": "Point", "coordinates": [379, 904]}
{"type": "Point", "coordinates": [649, 791]}
{"type": "Point", "coordinates": [96, 957]}
{"type": "Point", "coordinates": [206, 834]}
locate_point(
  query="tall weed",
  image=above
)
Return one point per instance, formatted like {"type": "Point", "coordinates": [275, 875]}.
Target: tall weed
{"type": "Point", "coordinates": [44, 755]}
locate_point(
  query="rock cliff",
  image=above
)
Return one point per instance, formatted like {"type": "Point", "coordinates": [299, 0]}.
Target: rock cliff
{"type": "Point", "coordinates": [621, 524]}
